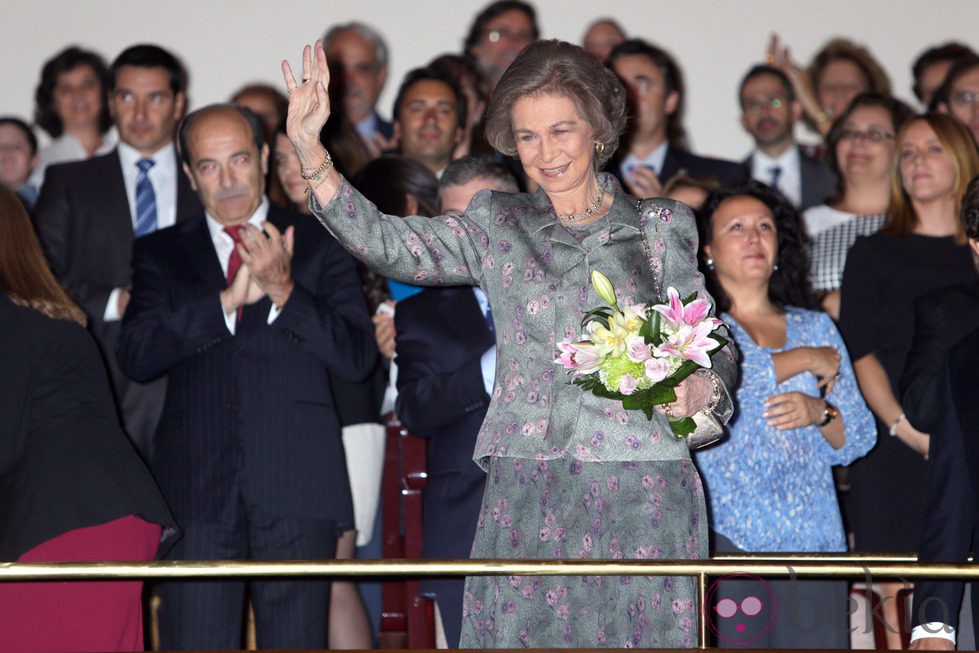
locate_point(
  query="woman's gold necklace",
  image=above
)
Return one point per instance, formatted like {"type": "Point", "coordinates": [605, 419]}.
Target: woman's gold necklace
{"type": "Point", "coordinates": [578, 218]}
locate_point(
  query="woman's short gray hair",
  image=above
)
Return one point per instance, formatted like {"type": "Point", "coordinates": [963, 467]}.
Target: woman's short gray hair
{"type": "Point", "coordinates": [559, 68]}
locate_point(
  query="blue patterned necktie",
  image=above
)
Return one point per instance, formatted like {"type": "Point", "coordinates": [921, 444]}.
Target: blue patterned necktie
{"type": "Point", "coordinates": [145, 199]}
{"type": "Point", "coordinates": [776, 172]}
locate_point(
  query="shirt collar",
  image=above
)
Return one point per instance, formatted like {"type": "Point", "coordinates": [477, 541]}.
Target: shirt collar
{"type": "Point", "coordinates": [256, 220]}
{"type": "Point", "coordinates": [367, 126]}
{"type": "Point", "coordinates": [654, 160]}
{"type": "Point", "coordinates": [788, 160]}
{"type": "Point", "coordinates": [165, 157]}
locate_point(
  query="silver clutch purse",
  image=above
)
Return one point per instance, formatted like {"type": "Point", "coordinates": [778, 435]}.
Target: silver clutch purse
{"type": "Point", "coordinates": [708, 431]}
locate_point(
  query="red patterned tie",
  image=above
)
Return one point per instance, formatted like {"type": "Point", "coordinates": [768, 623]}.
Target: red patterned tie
{"type": "Point", "coordinates": [234, 261]}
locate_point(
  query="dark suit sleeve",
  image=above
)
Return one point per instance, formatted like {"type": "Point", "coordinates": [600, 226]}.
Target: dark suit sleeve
{"type": "Point", "coordinates": [431, 394]}
{"type": "Point", "coordinates": [328, 316]}
{"type": "Point", "coordinates": [920, 382]}
{"type": "Point", "coordinates": [949, 515]}
{"type": "Point", "coordinates": [156, 336]}
{"type": "Point", "coordinates": [53, 219]}
{"type": "Point", "coordinates": [15, 386]}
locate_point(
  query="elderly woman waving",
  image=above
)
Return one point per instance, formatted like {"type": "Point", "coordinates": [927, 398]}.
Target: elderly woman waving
{"type": "Point", "coordinates": [569, 474]}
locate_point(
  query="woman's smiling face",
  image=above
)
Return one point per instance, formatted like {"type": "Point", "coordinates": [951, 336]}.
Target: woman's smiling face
{"type": "Point", "coordinates": [554, 143]}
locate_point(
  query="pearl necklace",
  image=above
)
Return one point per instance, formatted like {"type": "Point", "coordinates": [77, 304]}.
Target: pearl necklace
{"type": "Point", "coordinates": [578, 218]}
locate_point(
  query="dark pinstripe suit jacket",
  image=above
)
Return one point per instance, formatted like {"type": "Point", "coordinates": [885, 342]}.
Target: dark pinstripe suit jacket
{"type": "Point", "coordinates": [250, 413]}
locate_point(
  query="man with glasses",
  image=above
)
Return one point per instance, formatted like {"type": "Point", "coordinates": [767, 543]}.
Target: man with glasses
{"type": "Point", "coordinates": [769, 111]}
{"type": "Point", "coordinates": [498, 34]}
{"type": "Point", "coordinates": [359, 59]}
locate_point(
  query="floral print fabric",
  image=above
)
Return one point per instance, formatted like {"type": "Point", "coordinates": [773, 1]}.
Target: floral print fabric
{"type": "Point", "coordinates": [566, 509]}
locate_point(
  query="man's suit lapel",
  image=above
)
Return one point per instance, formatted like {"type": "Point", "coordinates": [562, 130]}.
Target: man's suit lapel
{"type": "Point", "coordinates": [809, 173]}
{"type": "Point", "coordinates": [188, 203]}
{"type": "Point", "coordinates": [464, 317]}
{"type": "Point", "coordinates": [200, 250]}
{"type": "Point", "coordinates": [108, 189]}
{"type": "Point", "coordinates": [671, 165]}
{"type": "Point", "coordinates": [112, 183]}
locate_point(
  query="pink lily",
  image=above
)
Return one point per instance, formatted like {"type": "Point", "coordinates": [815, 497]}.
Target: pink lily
{"type": "Point", "coordinates": [676, 314]}
{"type": "Point", "coordinates": [691, 343]}
{"type": "Point", "coordinates": [582, 357]}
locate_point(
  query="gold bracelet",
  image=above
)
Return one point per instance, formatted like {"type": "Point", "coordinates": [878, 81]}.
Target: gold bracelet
{"type": "Point", "coordinates": [313, 184]}
{"type": "Point", "coordinates": [316, 174]}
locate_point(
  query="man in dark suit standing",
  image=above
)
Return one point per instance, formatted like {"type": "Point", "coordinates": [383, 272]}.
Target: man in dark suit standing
{"type": "Point", "coordinates": [653, 149]}
{"type": "Point", "coordinates": [89, 212]}
{"type": "Point", "coordinates": [446, 354]}
{"type": "Point", "coordinates": [769, 111]}
{"type": "Point", "coordinates": [251, 311]}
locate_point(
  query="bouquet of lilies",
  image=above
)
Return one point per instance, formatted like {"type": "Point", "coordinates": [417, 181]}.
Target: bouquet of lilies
{"type": "Point", "coordinates": [638, 354]}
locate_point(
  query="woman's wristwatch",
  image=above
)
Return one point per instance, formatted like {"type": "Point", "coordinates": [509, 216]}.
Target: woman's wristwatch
{"type": "Point", "coordinates": [829, 414]}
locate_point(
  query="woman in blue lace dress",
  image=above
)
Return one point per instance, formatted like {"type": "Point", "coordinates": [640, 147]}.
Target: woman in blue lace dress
{"type": "Point", "coordinates": [798, 412]}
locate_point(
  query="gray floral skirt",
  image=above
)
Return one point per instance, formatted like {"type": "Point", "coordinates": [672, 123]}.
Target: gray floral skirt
{"type": "Point", "coordinates": [565, 509]}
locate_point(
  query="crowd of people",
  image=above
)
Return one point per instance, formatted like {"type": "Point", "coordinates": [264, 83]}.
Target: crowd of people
{"type": "Point", "coordinates": [265, 280]}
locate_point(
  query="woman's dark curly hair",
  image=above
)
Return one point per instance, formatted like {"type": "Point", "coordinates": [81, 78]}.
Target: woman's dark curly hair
{"type": "Point", "coordinates": [68, 59]}
{"type": "Point", "coordinates": [789, 284]}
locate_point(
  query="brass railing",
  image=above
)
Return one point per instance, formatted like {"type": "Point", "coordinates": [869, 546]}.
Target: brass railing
{"type": "Point", "coordinates": [863, 567]}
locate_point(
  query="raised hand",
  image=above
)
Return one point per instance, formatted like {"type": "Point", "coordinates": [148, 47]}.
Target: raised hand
{"type": "Point", "coordinates": [309, 103]}
{"type": "Point", "coordinates": [376, 145]}
{"type": "Point", "coordinates": [642, 182]}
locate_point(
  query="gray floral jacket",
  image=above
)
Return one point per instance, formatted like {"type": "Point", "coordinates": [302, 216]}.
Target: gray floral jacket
{"type": "Point", "coordinates": [537, 276]}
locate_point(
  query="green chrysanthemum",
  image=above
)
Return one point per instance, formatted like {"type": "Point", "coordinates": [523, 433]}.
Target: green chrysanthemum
{"type": "Point", "coordinates": [614, 368]}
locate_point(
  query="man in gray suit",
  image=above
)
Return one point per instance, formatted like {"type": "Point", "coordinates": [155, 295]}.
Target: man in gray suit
{"type": "Point", "coordinates": [769, 113]}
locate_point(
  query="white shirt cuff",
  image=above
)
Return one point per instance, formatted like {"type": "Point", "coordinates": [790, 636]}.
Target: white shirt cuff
{"type": "Point", "coordinates": [273, 313]}
{"type": "Point", "coordinates": [111, 313]}
{"type": "Point", "coordinates": [933, 629]}
{"type": "Point", "coordinates": [487, 363]}
{"type": "Point", "coordinates": [231, 319]}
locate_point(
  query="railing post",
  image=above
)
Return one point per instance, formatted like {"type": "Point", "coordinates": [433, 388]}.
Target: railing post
{"type": "Point", "coordinates": [702, 609]}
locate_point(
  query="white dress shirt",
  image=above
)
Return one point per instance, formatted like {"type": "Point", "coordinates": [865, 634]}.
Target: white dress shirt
{"type": "Point", "coordinates": [163, 176]}
{"type": "Point", "coordinates": [655, 161]}
{"type": "Point", "coordinates": [790, 177]}
{"type": "Point", "coordinates": [487, 361]}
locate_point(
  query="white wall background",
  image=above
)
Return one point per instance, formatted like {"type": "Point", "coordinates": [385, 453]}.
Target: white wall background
{"type": "Point", "coordinates": [226, 43]}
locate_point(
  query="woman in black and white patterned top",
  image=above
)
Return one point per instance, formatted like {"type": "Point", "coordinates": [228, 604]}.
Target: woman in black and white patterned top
{"type": "Point", "coordinates": [862, 152]}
